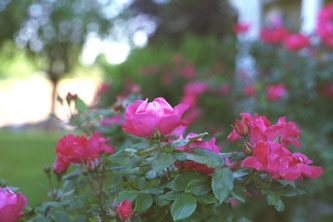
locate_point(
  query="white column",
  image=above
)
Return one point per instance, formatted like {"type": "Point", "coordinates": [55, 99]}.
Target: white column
{"type": "Point", "coordinates": [309, 10]}
{"type": "Point", "coordinates": [249, 11]}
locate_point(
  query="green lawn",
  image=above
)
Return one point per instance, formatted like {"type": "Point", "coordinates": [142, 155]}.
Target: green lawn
{"type": "Point", "coordinates": [22, 157]}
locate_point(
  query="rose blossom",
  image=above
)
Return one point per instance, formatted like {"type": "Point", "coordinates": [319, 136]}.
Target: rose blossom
{"type": "Point", "coordinates": [77, 149]}
{"type": "Point", "coordinates": [11, 205]}
{"type": "Point", "coordinates": [143, 118]}
{"type": "Point", "coordinates": [124, 210]}
{"type": "Point", "coordinates": [296, 42]}
{"type": "Point", "coordinates": [274, 35]}
{"type": "Point", "coordinates": [278, 161]}
{"type": "Point", "coordinates": [60, 165]}
{"type": "Point", "coordinates": [276, 92]}
{"type": "Point", "coordinates": [240, 28]}
{"type": "Point", "coordinates": [324, 26]}
{"type": "Point", "coordinates": [259, 128]}
{"type": "Point", "coordinates": [249, 90]}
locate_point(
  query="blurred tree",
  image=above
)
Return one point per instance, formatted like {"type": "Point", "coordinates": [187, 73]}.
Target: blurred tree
{"type": "Point", "coordinates": [54, 31]}
{"type": "Point", "coordinates": [176, 18]}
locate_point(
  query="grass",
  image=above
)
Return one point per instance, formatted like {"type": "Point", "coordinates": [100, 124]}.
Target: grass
{"type": "Point", "coordinates": [22, 157]}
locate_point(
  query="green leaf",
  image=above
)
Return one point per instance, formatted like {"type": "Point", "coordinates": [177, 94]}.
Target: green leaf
{"type": "Point", "coordinates": [292, 192]}
{"type": "Point", "coordinates": [207, 157]}
{"type": "Point", "coordinates": [72, 175]}
{"type": "Point", "coordinates": [142, 202]}
{"type": "Point", "coordinates": [206, 199]}
{"type": "Point", "coordinates": [199, 187]}
{"type": "Point", "coordinates": [59, 216]}
{"type": "Point", "coordinates": [239, 192]}
{"type": "Point", "coordinates": [180, 155]}
{"type": "Point", "coordinates": [40, 218]}
{"type": "Point", "coordinates": [222, 183]}
{"type": "Point", "coordinates": [127, 194]}
{"type": "Point", "coordinates": [175, 144]}
{"type": "Point", "coordinates": [160, 200]}
{"type": "Point", "coordinates": [274, 199]}
{"type": "Point", "coordinates": [183, 206]}
{"type": "Point", "coordinates": [180, 182]}
{"type": "Point", "coordinates": [162, 161]}
{"type": "Point", "coordinates": [80, 105]}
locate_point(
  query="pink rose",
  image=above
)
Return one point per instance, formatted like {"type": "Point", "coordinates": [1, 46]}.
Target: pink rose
{"type": "Point", "coordinates": [145, 119]}
{"type": "Point", "coordinates": [11, 205]}
{"type": "Point", "coordinates": [240, 28]}
{"type": "Point", "coordinates": [259, 128]}
{"type": "Point", "coordinates": [278, 161]}
{"type": "Point", "coordinates": [124, 210]}
{"type": "Point", "coordinates": [249, 90]}
{"type": "Point", "coordinates": [274, 35]}
{"type": "Point", "coordinates": [60, 165]}
{"type": "Point", "coordinates": [276, 92]}
{"type": "Point", "coordinates": [78, 149]}
{"type": "Point", "coordinates": [324, 26]}
{"type": "Point", "coordinates": [296, 42]}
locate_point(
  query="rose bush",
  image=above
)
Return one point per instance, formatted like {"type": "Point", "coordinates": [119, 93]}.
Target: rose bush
{"type": "Point", "coordinates": [154, 177]}
{"type": "Point", "coordinates": [152, 169]}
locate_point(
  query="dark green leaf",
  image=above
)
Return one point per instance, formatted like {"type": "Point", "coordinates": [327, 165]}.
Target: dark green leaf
{"type": "Point", "coordinates": [222, 183]}
{"type": "Point", "coordinates": [292, 192]}
{"type": "Point", "coordinates": [80, 105]}
{"type": "Point", "coordinates": [59, 216]}
{"type": "Point", "coordinates": [239, 192]}
{"type": "Point", "coordinates": [207, 157]}
{"type": "Point", "coordinates": [160, 200]}
{"type": "Point", "coordinates": [199, 187]}
{"type": "Point", "coordinates": [274, 199]}
{"type": "Point", "coordinates": [183, 206]}
{"type": "Point", "coordinates": [72, 175]}
{"type": "Point", "coordinates": [127, 194]}
{"type": "Point", "coordinates": [142, 202]}
{"type": "Point", "coordinates": [180, 182]}
{"type": "Point", "coordinates": [162, 161]}
{"type": "Point", "coordinates": [206, 199]}
{"type": "Point", "coordinates": [175, 144]}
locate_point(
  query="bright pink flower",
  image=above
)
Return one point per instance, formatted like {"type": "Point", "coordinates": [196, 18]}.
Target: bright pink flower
{"type": "Point", "coordinates": [191, 92]}
{"type": "Point", "coordinates": [296, 42]}
{"type": "Point", "coordinates": [200, 143]}
{"type": "Point", "coordinates": [260, 129]}
{"type": "Point", "coordinates": [240, 28]}
{"type": "Point", "coordinates": [249, 90]}
{"type": "Point", "coordinates": [276, 92]}
{"type": "Point", "coordinates": [124, 210]}
{"type": "Point", "coordinates": [143, 118]}
{"type": "Point", "coordinates": [278, 161]}
{"type": "Point", "coordinates": [274, 35]}
{"type": "Point", "coordinates": [78, 149]}
{"type": "Point", "coordinates": [11, 205]}
{"type": "Point", "coordinates": [324, 26]}
{"type": "Point", "coordinates": [60, 165]}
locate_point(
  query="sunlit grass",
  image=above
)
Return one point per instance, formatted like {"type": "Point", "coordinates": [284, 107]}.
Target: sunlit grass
{"type": "Point", "coordinates": [22, 157]}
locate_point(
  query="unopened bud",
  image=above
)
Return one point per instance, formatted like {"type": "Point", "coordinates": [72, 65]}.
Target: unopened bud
{"type": "Point", "coordinates": [47, 169]}
{"type": "Point", "coordinates": [248, 148]}
{"type": "Point", "coordinates": [241, 128]}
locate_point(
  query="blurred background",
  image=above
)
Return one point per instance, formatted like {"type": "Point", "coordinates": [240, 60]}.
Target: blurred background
{"type": "Point", "coordinates": [184, 50]}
